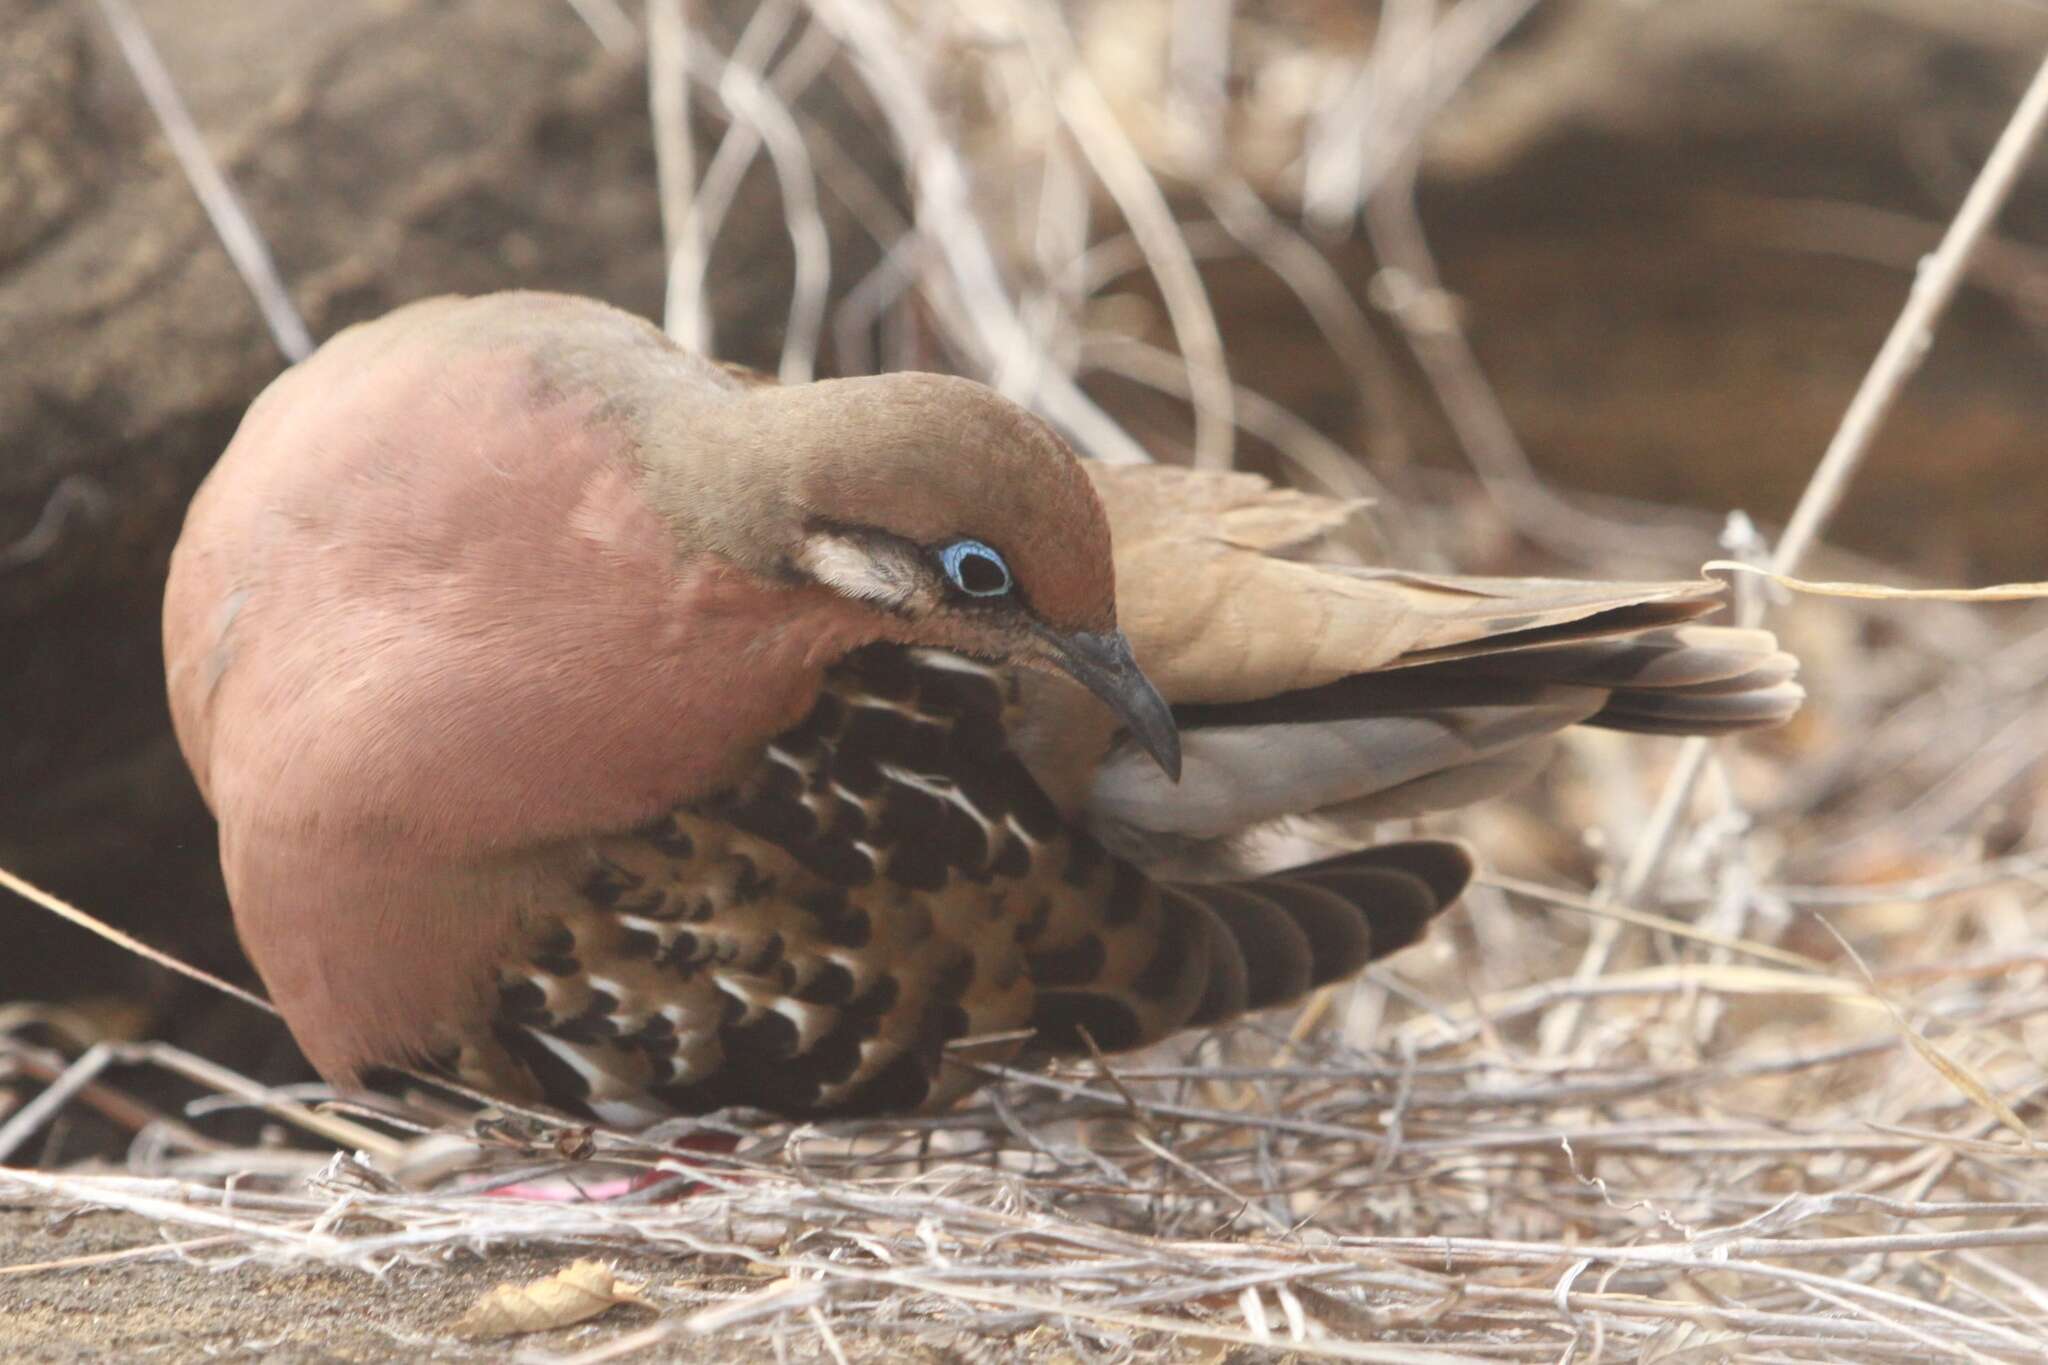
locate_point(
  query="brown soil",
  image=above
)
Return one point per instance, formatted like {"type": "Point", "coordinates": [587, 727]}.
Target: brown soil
{"type": "Point", "coordinates": [177, 1311]}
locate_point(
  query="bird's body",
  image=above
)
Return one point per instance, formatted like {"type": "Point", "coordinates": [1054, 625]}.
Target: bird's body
{"type": "Point", "coordinates": [631, 737]}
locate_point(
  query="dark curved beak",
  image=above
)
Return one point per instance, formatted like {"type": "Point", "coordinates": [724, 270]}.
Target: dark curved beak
{"type": "Point", "coordinates": [1101, 662]}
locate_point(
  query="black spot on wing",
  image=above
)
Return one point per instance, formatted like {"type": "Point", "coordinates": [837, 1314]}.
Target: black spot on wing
{"type": "Point", "coordinates": [969, 694]}
{"type": "Point", "coordinates": [831, 984]}
{"type": "Point", "coordinates": [885, 671]}
{"type": "Point", "coordinates": [1061, 1017]}
{"type": "Point", "coordinates": [1077, 964]}
{"type": "Point", "coordinates": [765, 958]}
{"type": "Point", "coordinates": [910, 821]}
{"type": "Point", "coordinates": [555, 953]}
{"type": "Point", "coordinates": [595, 1025]}
{"type": "Point", "coordinates": [1084, 855]}
{"type": "Point", "coordinates": [772, 809]}
{"type": "Point", "coordinates": [1031, 928]}
{"type": "Point", "coordinates": [942, 1023]}
{"type": "Point", "coordinates": [767, 1040]}
{"type": "Point", "coordinates": [665, 836]}
{"type": "Point", "coordinates": [606, 883]}
{"type": "Point", "coordinates": [784, 1088]}
{"type": "Point", "coordinates": [1127, 887]}
{"type": "Point", "coordinates": [638, 944]}
{"type": "Point", "coordinates": [899, 1087]}
{"type": "Point", "coordinates": [951, 981]}
{"type": "Point", "coordinates": [867, 1009]}
{"type": "Point", "coordinates": [656, 1036]}
{"type": "Point", "coordinates": [1027, 802]}
{"type": "Point", "coordinates": [850, 930]}
{"type": "Point", "coordinates": [749, 883]}
{"type": "Point", "coordinates": [827, 715]}
{"type": "Point", "coordinates": [1014, 859]}
{"type": "Point", "coordinates": [560, 1084]}
{"type": "Point", "coordinates": [885, 735]}
{"type": "Point", "coordinates": [685, 953]}
{"type": "Point", "coordinates": [836, 1056]}
{"type": "Point", "coordinates": [522, 1002]}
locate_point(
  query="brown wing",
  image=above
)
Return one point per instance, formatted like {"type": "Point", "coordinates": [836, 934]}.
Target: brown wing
{"type": "Point", "coordinates": [887, 886]}
{"type": "Point", "coordinates": [1233, 591]}
{"type": "Point", "coordinates": [1308, 686]}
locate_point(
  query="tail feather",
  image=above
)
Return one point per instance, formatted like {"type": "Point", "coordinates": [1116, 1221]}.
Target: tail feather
{"type": "Point", "coordinates": [1340, 941]}
{"type": "Point", "coordinates": [1671, 656]}
{"type": "Point", "coordinates": [1231, 987]}
{"type": "Point", "coordinates": [1678, 680]}
{"type": "Point", "coordinates": [1282, 969]}
{"type": "Point", "coordinates": [1263, 942]}
{"type": "Point", "coordinates": [1442, 729]}
{"type": "Point", "coordinates": [1687, 712]}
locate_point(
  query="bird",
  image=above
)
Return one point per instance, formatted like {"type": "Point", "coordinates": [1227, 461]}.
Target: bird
{"type": "Point", "coordinates": [611, 728]}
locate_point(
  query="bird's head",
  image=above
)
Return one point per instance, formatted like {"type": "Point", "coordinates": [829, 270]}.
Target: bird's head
{"type": "Point", "coordinates": [959, 520]}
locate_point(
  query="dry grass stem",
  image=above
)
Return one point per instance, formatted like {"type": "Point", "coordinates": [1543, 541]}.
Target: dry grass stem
{"type": "Point", "coordinates": [238, 233]}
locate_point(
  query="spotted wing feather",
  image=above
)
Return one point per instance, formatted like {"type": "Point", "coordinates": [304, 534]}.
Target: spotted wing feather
{"type": "Point", "coordinates": [886, 887]}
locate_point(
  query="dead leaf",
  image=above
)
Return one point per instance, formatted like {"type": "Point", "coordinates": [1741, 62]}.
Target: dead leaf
{"type": "Point", "coordinates": [569, 1296]}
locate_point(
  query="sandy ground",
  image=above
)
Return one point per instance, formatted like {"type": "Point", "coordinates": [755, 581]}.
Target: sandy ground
{"type": "Point", "coordinates": [166, 1310]}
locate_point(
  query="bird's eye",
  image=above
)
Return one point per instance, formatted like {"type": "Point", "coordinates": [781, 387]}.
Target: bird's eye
{"type": "Point", "coordinates": [975, 569]}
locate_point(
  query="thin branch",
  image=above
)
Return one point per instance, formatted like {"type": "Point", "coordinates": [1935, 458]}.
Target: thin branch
{"type": "Point", "coordinates": [231, 222]}
{"type": "Point", "coordinates": [685, 316]}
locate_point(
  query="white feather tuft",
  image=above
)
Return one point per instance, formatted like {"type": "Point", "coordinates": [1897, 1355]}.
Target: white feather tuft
{"type": "Point", "coordinates": [865, 570]}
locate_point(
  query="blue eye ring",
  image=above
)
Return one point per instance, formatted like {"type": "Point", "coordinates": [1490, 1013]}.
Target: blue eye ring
{"type": "Point", "coordinates": [968, 565]}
